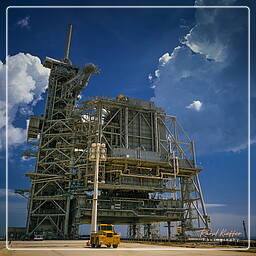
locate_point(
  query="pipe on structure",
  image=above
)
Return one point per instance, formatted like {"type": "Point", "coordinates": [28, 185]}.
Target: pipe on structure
{"type": "Point", "coordinates": [126, 127]}
{"type": "Point", "coordinates": [68, 42]}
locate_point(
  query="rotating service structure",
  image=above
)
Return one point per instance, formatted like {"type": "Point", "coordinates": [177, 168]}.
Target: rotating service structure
{"type": "Point", "coordinates": [149, 176]}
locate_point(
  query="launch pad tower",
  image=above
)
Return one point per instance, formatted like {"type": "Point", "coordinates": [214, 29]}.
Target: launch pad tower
{"type": "Point", "coordinates": [149, 176]}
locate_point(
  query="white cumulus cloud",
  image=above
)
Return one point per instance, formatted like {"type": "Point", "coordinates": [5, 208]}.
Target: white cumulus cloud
{"type": "Point", "coordinates": [157, 73]}
{"type": "Point", "coordinates": [196, 105]}
{"type": "Point", "coordinates": [16, 135]}
{"type": "Point", "coordinates": [164, 59]}
{"type": "Point", "coordinates": [210, 65]}
{"type": "Point", "coordinates": [27, 80]}
{"type": "Point", "coordinates": [215, 40]}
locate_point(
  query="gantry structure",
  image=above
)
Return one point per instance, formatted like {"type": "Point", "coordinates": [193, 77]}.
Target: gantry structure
{"type": "Point", "coordinates": [150, 174]}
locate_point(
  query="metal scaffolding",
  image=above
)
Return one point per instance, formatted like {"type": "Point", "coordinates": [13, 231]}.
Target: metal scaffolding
{"type": "Point", "coordinates": [150, 175]}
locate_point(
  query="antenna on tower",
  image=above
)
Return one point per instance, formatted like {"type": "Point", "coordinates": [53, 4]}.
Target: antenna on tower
{"type": "Point", "coordinates": [66, 59]}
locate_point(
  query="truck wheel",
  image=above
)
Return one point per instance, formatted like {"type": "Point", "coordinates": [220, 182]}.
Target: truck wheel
{"type": "Point", "coordinates": [109, 245]}
{"type": "Point", "coordinates": [115, 245]}
{"type": "Point", "coordinates": [98, 245]}
{"type": "Point", "coordinates": [92, 245]}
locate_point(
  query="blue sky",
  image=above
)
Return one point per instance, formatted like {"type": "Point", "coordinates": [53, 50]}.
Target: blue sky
{"type": "Point", "coordinates": [191, 62]}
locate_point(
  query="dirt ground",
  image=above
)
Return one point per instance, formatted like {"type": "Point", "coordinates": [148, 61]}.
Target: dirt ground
{"type": "Point", "coordinates": [79, 248]}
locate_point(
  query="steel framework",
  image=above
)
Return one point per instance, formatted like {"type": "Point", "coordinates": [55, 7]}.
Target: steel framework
{"type": "Point", "coordinates": [150, 175]}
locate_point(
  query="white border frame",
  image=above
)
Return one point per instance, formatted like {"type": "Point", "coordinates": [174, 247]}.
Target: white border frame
{"type": "Point", "coordinates": [249, 131]}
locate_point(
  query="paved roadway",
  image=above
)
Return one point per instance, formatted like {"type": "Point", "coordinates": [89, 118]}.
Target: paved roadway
{"type": "Point", "coordinates": [78, 248]}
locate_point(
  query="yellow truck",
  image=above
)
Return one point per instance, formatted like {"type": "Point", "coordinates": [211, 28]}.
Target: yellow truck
{"type": "Point", "coordinates": [105, 236]}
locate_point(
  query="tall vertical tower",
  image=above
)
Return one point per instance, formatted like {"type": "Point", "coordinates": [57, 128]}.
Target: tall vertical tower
{"type": "Point", "coordinates": [56, 133]}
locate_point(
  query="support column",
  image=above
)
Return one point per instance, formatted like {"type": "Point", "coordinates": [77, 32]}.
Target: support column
{"type": "Point", "coordinates": [169, 229]}
{"type": "Point", "coordinates": [199, 188]}
{"type": "Point", "coordinates": [126, 118]}
{"type": "Point", "coordinates": [95, 192]}
{"type": "Point", "coordinates": [67, 217]}
{"type": "Point", "coordinates": [134, 231]}
{"type": "Point", "coordinates": [147, 231]}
